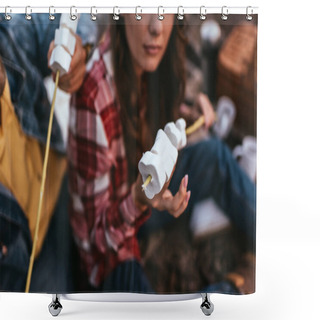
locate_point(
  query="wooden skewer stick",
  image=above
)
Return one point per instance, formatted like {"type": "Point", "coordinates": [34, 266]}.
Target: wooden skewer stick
{"type": "Point", "coordinates": [194, 127]}
{"type": "Point", "coordinates": [43, 180]}
{"type": "Point", "coordinates": [146, 182]}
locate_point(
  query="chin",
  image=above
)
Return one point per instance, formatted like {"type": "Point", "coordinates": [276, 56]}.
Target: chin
{"type": "Point", "coordinates": [151, 67]}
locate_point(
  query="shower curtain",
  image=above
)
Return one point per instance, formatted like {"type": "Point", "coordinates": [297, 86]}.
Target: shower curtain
{"type": "Point", "coordinates": [122, 78]}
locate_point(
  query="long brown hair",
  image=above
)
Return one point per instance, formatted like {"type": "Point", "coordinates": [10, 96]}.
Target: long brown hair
{"type": "Point", "coordinates": [144, 112]}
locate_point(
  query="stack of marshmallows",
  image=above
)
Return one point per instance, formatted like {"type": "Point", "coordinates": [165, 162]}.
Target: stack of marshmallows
{"type": "Point", "coordinates": [64, 45]}
{"type": "Point", "coordinates": [159, 162]}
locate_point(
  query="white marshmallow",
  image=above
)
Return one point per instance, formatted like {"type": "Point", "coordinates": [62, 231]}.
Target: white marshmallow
{"type": "Point", "coordinates": [167, 152]}
{"type": "Point", "coordinates": [177, 133]}
{"type": "Point", "coordinates": [181, 125]}
{"type": "Point", "coordinates": [173, 134]}
{"type": "Point", "coordinates": [65, 42]}
{"type": "Point", "coordinates": [65, 38]}
{"type": "Point", "coordinates": [65, 21]}
{"type": "Point", "coordinates": [159, 163]}
{"type": "Point", "coordinates": [150, 164]}
{"type": "Point", "coordinates": [60, 60]}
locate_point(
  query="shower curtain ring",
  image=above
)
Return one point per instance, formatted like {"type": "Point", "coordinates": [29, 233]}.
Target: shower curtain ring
{"type": "Point", "coordinates": [116, 14]}
{"type": "Point", "coordinates": [93, 15]}
{"type": "Point", "coordinates": [6, 15]}
{"type": "Point", "coordinates": [51, 11]}
{"type": "Point", "coordinates": [249, 14]}
{"type": "Point", "coordinates": [73, 13]}
{"type": "Point", "coordinates": [138, 16]}
{"type": "Point", "coordinates": [160, 15]}
{"type": "Point", "coordinates": [28, 13]}
{"type": "Point", "coordinates": [224, 13]}
{"type": "Point", "coordinates": [203, 13]}
{"type": "Point", "coordinates": [180, 13]}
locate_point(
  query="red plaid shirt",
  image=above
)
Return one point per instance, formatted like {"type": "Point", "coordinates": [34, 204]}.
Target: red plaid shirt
{"type": "Point", "coordinates": [103, 216]}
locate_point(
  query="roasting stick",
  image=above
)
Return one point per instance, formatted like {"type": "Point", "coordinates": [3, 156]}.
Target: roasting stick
{"type": "Point", "coordinates": [148, 180]}
{"type": "Point", "coordinates": [60, 60]}
{"type": "Point", "coordinates": [194, 127]}
{"type": "Point", "coordinates": [43, 180]}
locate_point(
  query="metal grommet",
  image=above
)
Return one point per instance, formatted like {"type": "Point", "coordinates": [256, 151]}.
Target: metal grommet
{"type": "Point", "coordinates": [93, 15]}
{"type": "Point", "coordinates": [180, 13]}
{"type": "Point", "coordinates": [6, 15]}
{"type": "Point", "coordinates": [116, 14]}
{"type": "Point", "coordinates": [138, 16]}
{"type": "Point", "coordinates": [224, 13]}
{"type": "Point", "coordinates": [160, 15]}
{"type": "Point", "coordinates": [203, 13]}
{"type": "Point", "coordinates": [28, 13]}
{"type": "Point", "coordinates": [73, 13]}
{"type": "Point", "coordinates": [249, 14]}
{"type": "Point", "coordinates": [51, 15]}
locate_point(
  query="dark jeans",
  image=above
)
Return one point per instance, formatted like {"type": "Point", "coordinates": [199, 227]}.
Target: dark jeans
{"type": "Point", "coordinates": [15, 243]}
{"type": "Point", "coordinates": [52, 271]}
{"type": "Point", "coordinates": [127, 277]}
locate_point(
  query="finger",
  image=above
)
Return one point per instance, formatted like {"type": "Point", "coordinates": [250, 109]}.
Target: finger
{"type": "Point", "coordinates": [162, 201]}
{"type": "Point", "coordinates": [202, 102]}
{"type": "Point", "coordinates": [183, 205]}
{"type": "Point", "coordinates": [179, 196]}
{"type": "Point", "coordinates": [166, 201]}
{"type": "Point", "coordinates": [166, 185]}
{"type": "Point", "coordinates": [167, 195]}
{"type": "Point", "coordinates": [72, 82]}
{"type": "Point", "coordinates": [77, 63]}
{"type": "Point", "coordinates": [79, 55]}
{"type": "Point", "coordinates": [206, 108]}
{"type": "Point", "coordinates": [50, 51]}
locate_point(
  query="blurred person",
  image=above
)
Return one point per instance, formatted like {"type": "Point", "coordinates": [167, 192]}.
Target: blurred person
{"type": "Point", "coordinates": [24, 117]}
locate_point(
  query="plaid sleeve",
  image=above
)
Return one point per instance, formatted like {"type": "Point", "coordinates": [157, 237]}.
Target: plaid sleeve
{"type": "Point", "coordinates": [103, 214]}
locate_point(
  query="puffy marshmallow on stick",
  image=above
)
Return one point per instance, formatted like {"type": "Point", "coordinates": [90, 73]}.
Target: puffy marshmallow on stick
{"type": "Point", "coordinates": [176, 132]}
{"type": "Point", "coordinates": [173, 134]}
{"type": "Point", "coordinates": [64, 42]}
{"type": "Point", "coordinates": [167, 152]}
{"type": "Point", "coordinates": [158, 163]}
{"type": "Point", "coordinates": [149, 166]}
{"type": "Point", "coordinates": [64, 37]}
{"type": "Point", "coordinates": [66, 22]}
{"type": "Point", "coordinates": [60, 60]}
{"type": "Point", "coordinates": [181, 126]}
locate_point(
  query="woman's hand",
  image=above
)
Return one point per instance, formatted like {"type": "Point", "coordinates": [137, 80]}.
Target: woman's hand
{"type": "Point", "coordinates": [165, 200]}
{"type": "Point", "coordinates": [203, 107]}
{"type": "Point", "coordinates": [72, 81]}
{"type": "Point", "coordinates": [207, 109]}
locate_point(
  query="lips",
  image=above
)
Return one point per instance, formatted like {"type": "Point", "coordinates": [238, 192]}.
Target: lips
{"type": "Point", "coordinates": [152, 50]}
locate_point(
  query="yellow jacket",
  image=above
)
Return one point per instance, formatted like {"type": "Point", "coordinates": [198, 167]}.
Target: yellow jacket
{"type": "Point", "coordinates": [21, 162]}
